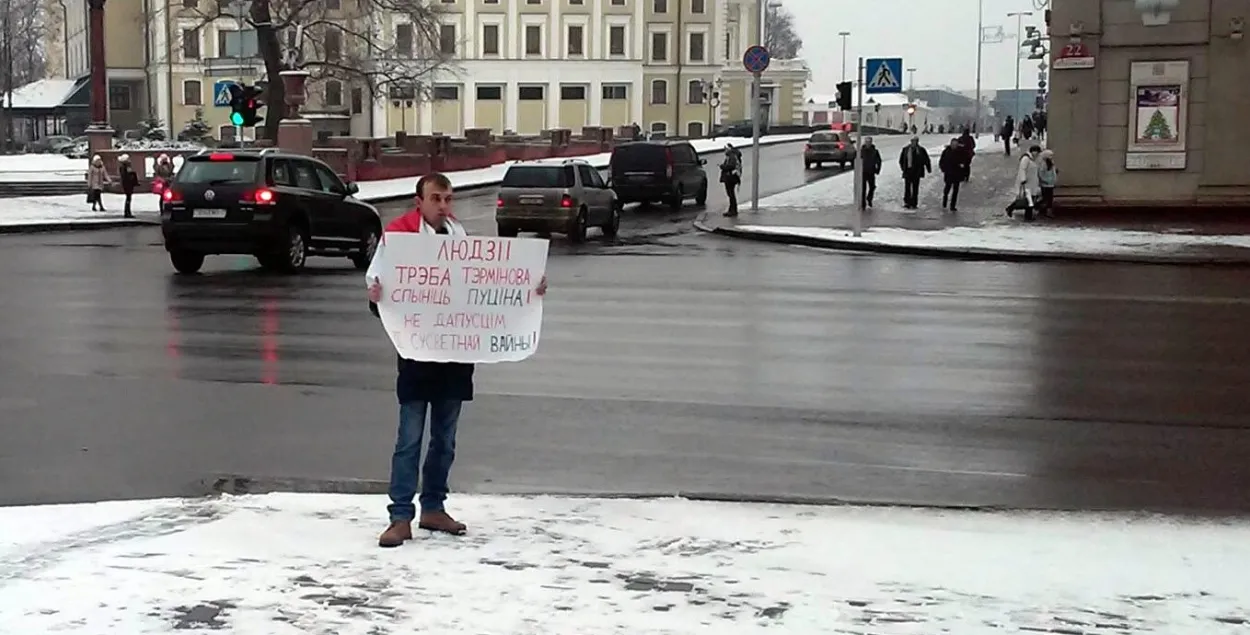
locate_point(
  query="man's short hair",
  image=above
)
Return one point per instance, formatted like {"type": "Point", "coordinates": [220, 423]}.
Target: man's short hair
{"type": "Point", "coordinates": [437, 179]}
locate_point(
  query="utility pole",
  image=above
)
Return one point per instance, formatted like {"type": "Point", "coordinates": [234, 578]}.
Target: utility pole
{"type": "Point", "coordinates": [976, 122]}
{"type": "Point", "coordinates": [844, 35]}
{"type": "Point", "coordinates": [911, 83]}
{"type": "Point", "coordinates": [755, 112]}
{"type": "Point", "coordinates": [857, 213]}
{"type": "Point", "coordinates": [1015, 100]}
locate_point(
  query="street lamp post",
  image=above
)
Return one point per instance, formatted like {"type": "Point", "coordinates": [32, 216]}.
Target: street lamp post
{"type": "Point", "coordinates": [844, 35]}
{"type": "Point", "coordinates": [1019, 16]}
{"type": "Point", "coordinates": [976, 121]}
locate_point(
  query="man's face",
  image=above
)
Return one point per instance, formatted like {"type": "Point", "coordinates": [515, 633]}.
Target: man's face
{"type": "Point", "coordinates": [435, 204]}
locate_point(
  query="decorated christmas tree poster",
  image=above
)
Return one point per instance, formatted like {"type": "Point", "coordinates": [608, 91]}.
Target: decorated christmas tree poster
{"type": "Point", "coordinates": [1158, 114]}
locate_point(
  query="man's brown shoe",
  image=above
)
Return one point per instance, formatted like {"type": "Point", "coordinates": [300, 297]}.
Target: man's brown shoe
{"type": "Point", "coordinates": [441, 521]}
{"type": "Point", "coordinates": [396, 534]}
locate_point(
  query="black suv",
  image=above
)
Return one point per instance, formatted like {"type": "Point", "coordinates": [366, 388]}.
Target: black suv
{"type": "Point", "coordinates": [669, 171]}
{"type": "Point", "coordinates": [279, 207]}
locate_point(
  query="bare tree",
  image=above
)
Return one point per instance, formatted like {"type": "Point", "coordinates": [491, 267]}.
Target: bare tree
{"type": "Point", "coordinates": [780, 37]}
{"type": "Point", "coordinates": [382, 44]}
{"type": "Point", "coordinates": [21, 51]}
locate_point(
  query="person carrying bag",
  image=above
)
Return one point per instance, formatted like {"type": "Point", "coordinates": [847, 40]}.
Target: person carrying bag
{"type": "Point", "coordinates": [1030, 187]}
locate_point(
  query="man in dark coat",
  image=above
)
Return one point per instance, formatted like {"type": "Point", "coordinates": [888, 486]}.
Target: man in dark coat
{"type": "Point", "coordinates": [871, 158]}
{"type": "Point", "coordinates": [953, 166]}
{"type": "Point", "coordinates": [1009, 129]}
{"type": "Point", "coordinates": [969, 145]}
{"type": "Point", "coordinates": [915, 163]}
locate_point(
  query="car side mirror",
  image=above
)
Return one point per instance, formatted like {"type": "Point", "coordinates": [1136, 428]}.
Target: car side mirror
{"type": "Point", "coordinates": [702, 161]}
{"type": "Point", "coordinates": [352, 189]}
{"type": "Point", "coordinates": [608, 183]}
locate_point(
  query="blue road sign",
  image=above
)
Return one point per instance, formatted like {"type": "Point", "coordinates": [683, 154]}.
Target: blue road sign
{"type": "Point", "coordinates": [756, 59]}
{"type": "Point", "coordinates": [221, 92]}
{"type": "Point", "coordinates": [883, 75]}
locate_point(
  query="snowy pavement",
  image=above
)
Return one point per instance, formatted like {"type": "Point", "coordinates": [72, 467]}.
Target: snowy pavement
{"type": "Point", "coordinates": [308, 563]}
{"type": "Point", "coordinates": [74, 211]}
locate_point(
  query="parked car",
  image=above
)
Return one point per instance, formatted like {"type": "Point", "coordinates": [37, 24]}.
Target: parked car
{"type": "Point", "coordinates": [743, 128]}
{"type": "Point", "coordinates": [281, 208]}
{"type": "Point", "coordinates": [45, 145]}
{"type": "Point", "coordinates": [828, 147]}
{"type": "Point", "coordinates": [565, 196]}
{"type": "Point", "coordinates": [654, 171]}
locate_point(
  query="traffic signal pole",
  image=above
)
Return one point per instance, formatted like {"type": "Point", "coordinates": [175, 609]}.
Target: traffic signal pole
{"type": "Point", "coordinates": [857, 214]}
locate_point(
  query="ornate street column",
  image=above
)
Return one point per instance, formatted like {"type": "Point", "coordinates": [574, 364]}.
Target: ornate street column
{"type": "Point", "coordinates": [99, 133]}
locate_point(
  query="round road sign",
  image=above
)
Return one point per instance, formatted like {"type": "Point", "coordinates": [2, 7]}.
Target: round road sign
{"type": "Point", "coordinates": [756, 59]}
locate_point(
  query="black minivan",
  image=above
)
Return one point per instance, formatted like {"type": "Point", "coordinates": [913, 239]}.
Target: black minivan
{"type": "Point", "coordinates": [653, 171]}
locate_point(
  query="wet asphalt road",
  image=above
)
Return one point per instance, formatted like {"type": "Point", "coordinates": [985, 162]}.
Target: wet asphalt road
{"type": "Point", "coordinates": [674, 362]}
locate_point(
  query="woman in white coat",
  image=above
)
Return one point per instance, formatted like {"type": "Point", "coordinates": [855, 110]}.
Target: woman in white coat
{"type": "Point", "coordinates": [1028, 179]}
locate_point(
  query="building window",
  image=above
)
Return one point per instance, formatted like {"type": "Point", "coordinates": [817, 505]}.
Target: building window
{"type": "Point", "coordinates": [334, 45]}
{"type": "Point", "coordinates": [236, 43]}
{"type": "Point", "coordinates": [190, 44]}
{"type": "Point", "coordinates": [695, 92]}
{"type": "Point", "coordinates": [659, 47]}
{"type": "Point", "coordinates": [119, 97]}
{"type": "Point", "coordinates": [577, 2]}
{"type": "Point", "coordinates": [446, 93]}
{"type": "Point", "coordinates": [660, 6]}
{"type": "Point", "coordinates": [659, 91]}
{"type": "Point", "coordinates": [358, 101]}
{"type": "Point", "coordinates": [531, 93]}
{"type": "Point", "coordinates": [533, 1]}
{"type": "Point", "coordinates": [490, 39]}
{"type": "Point", "coordinates": [573, 93]}
{"type": "Point", "coordinates": [696, 6]}
{"type": "Point", "coordinates": [333, 5]}
{"type": "Point", "coordinates": [190, 4]}
{"type": "Point", "coordinates": [489, 93]}
{"type": "Point", "coordinates": [659, 127]}
{"type": "Point", "coordinates": [447, 39]}
{"type": "Point", "coordinates": [697, 47]}
{"type": "Point", "coordinates": [616, 40]}
{"type": "Point", "coordinates": [333, 93]}
{"type": "Point", "coordinates": [694, 129]}
{"type": "Point", "coordinates": [533, 39]}
{"type": "Point", "coordinates": [403, 40]}
{"type": "Point", "coordinates": [192, 93]}
{"type": "Point", "coordinates": [618, 3]}
{"type": "Point", "coordinates": [616, 91]}
{"type": "Point", "coordinates": [575, 40]}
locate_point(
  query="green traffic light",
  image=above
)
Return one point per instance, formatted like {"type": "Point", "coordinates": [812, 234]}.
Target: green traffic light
{"type": "Point", "coordinates": [236, 118]}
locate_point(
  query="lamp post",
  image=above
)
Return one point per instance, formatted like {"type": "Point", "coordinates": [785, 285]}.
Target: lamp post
{"type": "Point", "coordinates": [1019, 16]}
{"type": "Point", "coordinates": [99, 134]}
{"type": "Point", "coordinates": [844, 35]}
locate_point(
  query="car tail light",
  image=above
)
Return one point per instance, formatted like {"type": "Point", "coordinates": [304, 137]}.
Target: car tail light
{"type": "Point", "coordinates": [566, 201]}
{"type": "Point", "coordinates": [499, 202]}
{"type": "Point", "coordinates": [263, 196]}
{"type": "Point", "coordinates": [170, 195]}
{"type": "Point", "coordinates": [807, 147]}
{"type": "Point", "coordinates": [841, 146]}
{"type": "Point", "coordinates": [668, 157]}
{"type": "Point", "coordinates": [221, 156]}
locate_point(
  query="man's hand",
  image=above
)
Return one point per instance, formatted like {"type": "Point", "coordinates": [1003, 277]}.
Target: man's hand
{"type": "Point", "coordinates": [541, 290]}
{"type": "Point", "coordinates": [375, 291]}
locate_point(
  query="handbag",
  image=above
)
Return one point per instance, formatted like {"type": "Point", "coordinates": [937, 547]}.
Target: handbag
{"type": "Point", "coordinates": [158, 185]}
{"type": "Point", "coordinates": [1024, 200]}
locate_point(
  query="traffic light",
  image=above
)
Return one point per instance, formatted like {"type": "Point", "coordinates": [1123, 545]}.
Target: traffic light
{"type": "Point", "coordinates": [244, 102]}
{"type": "Point", "coordinates": [844, 96]}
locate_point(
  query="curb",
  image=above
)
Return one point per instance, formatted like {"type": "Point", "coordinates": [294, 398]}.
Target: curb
{"type": "Point", "coordinates": [971, 255]}
{"type": "Point", "coordinates": [488, 185]}
{"type": "Point", "coordinates": [75, 226]}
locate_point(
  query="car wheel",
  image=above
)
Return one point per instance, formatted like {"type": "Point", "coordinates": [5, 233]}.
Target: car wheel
{"type": "Point", "coordinates": [294, 254]}
{"type": "Point", "coordinates": [807, 166]}
{"type": "Point", "coordinates": [577, 230]}
{"type": "Point", "coordinates": [506, 231]}
{"type": "Point", "coordinates": [186, 262]}
{"type": "Point", "coordinates": [676, 201]}
{"type": "Point", "coordinates": [700, 199]}
{"type": "Point", "coordinates": [613, 226]}
{"type": "Point", "coordinates": [368, 246]}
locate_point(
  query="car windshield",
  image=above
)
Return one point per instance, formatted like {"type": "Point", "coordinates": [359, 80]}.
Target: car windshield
{"type": "Point", "coordinates": [538, 176]}
{"type": "Point", "coordinates": [238, 170]}
{"type": "Point", "coordinates": [824, 137]}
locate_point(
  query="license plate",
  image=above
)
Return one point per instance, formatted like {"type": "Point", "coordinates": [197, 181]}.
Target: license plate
{"type": "Point", "coordinates": [532, 201]}
{"type": "Point", "coordinates": [208, 213]}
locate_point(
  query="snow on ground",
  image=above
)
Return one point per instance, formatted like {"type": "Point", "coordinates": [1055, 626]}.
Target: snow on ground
{"type": "Point", "coordinates": [1018, 239]}
{"type": "Point", "coordinates": [308, 563]}
{"type": "Point", "coordinates": [42, 167]}
{"type": "Point", "coordinates": [72, 208]}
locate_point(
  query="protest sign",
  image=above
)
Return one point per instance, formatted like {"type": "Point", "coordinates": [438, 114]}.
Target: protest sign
{"type": "Point", "coordinates": [470, 299]}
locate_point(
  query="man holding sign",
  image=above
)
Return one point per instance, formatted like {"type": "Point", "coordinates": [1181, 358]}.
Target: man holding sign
{"type": "Point", "coordinates": [447, 301]}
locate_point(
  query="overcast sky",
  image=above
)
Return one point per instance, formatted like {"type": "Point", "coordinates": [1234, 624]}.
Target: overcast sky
{"type": "Point", "coordinates": [936, 37]}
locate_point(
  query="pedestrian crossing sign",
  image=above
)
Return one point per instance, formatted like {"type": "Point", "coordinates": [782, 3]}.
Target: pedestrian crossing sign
{"type": "Point", "coordinates": [221, 92]}
{"type": "Point", "coordinates": [883, 75]}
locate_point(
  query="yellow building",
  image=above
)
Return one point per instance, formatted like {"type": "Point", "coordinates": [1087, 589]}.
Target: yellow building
{"type": "Point", "coordinates": [166, 59]}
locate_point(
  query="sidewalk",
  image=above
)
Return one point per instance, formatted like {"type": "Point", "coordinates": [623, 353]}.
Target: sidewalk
{"type": "Point", "coordinates": [820, 215]}
{"type": "Point", "coordinates": [72, 212]}
{"type": "Point", "coordinates": [308, 563]}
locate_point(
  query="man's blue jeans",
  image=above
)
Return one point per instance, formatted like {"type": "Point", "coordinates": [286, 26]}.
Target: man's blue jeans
{"type": "Point", "coordinates": [438, 458]}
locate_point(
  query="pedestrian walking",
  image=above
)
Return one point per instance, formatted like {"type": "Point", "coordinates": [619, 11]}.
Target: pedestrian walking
{"type": "Point", "coordinates": [1028, 183]}
{"type": "Point", "coordinates": [870, 166]}
{"type": "Point", "coordinates": [915, 163]}
{"type": "Point", "coordinates": [953, 165]}
{"type": "Point", "coordinates": [1007, 132]}
{"type": "Point", "coordinates": [97, 180]}
{"type": "Point", "coordinates": [129, 180]}
{"type": "Point", "coordinates": [731, 177]}
{"type": "Point", "coordinates": [1047, 178]}
{"type": "Point", "coordinates": [969, 145]}
{"type": "Point", "coordinates": [436, 389]}
{"type": "Point", "coordinates": [1026, 128]}
{"type": "Point", "coordinates": [162, 174]}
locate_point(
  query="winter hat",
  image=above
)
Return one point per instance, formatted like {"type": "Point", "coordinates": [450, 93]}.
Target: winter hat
{"type": "Point", "coordinates": [125, 158]}
{"type": "Point", "coordinates": [1048, 154]}
{"type": "Point", "coordinates": [96, 159]}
